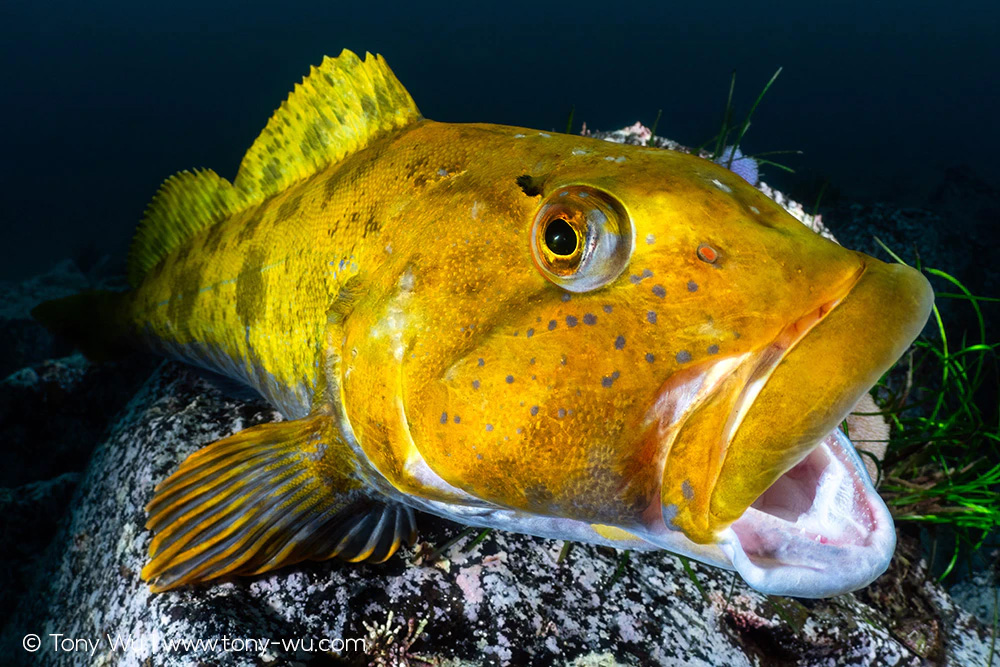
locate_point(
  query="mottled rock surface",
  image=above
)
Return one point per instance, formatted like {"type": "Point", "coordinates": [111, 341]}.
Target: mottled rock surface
{"type": "Point", "coordinates": [506, 601]}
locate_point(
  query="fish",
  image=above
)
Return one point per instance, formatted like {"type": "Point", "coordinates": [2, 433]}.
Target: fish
{"type": "Point", "coordinates": [509, 328]}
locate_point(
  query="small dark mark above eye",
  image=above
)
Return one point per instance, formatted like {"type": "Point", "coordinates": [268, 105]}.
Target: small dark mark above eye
{"type": "Point", "coordinates": [529, 185]}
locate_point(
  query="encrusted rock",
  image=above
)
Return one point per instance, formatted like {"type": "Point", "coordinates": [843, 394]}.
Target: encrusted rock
{"type": "Point", "coordinates": [508, 600]}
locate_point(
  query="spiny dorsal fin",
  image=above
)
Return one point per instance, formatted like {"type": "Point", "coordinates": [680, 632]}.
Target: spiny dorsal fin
{"type": "Point", "coordinates": [185, 204]}
{"type": "Point", "coordinates": [341, 107]}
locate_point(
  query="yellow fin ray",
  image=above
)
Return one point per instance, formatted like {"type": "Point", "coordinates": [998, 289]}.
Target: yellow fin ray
{"type": "Point", "coordinates": [185, 204]}
{"type": "Point", "coordinates": [268, 496]}
{"type": "Point", "coordinates": [338, 109]}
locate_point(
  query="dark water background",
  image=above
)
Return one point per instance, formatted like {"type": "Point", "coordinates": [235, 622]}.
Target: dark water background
{"type": "Point", "coordinates": [103, 100]}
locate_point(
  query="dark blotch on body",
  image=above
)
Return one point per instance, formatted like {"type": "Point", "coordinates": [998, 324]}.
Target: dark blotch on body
{"type": "Point", "coordinates": [251, 290]}
{"type": "Point", "coordinates": [185, 293]}
{"type": "Point", "coordinates": [289, 208]}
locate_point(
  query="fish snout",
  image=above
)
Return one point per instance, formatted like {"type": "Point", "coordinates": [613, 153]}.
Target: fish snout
{"type": "Point", "coordinates": [818, 380]}
{"type": "Point", "coordinates": [760, 469]}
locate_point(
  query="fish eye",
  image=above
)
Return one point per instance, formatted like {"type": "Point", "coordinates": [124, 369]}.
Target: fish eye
{"type": "Point", "coordinates": [560, 237]}
{"type": "Point", "coordinates": [582, 238]}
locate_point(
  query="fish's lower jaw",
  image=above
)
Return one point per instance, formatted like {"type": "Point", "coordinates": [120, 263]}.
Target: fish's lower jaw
{"type": "Point", "coordinates": [820, 530]}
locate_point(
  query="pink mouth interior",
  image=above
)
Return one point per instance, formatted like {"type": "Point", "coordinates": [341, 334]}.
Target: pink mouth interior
{"type": "Point", "coordinates": [826, 501]}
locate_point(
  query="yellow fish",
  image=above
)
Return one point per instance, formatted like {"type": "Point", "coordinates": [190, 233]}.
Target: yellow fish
{"type": "Point", "coordinates": [530, 331]}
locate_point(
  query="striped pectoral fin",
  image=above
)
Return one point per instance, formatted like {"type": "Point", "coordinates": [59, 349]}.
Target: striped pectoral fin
{"type": "Point", "coordinates": [268, 496]}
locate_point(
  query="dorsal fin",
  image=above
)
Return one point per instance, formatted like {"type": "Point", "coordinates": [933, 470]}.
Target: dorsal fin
{"type": "Point", "coordinates": [185, 204]}
{"type": "Point", "coordinates": [341, 107]}
{"type": "Point", "coordinates": [338, 109]}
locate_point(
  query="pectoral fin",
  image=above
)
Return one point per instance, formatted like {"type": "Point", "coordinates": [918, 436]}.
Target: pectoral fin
{"type": "Point", "coordinates": [268, 496]}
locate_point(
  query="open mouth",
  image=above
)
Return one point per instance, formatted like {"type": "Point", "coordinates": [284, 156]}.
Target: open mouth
{"type": "Point", "coordinates": [821, 529]}
{"type": "Point", "coordinates": [755, 464]}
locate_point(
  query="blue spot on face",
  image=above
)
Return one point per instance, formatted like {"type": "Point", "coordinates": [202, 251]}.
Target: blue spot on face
{"type": "Point", "coordinates": [651, 316]}
{"type": "Point", "coordinates": [620, 343]}
{"type": "Point", "coordinates": [534, 410]}
{"type": "Point", "coordinates": [565, 297]}
{"type": "Point", "coordinates": [481, 362]}
{"type": "Point", "coordinates": [510, 379]}
{"type": "Point", "coordinates": [444, 417]}
{"type": "Point", "coordinates": [552, 325]}
{"type": "Point", "coordinates": [561, 413]}
{"type": "Point", "coordinates": [650, 358]}
{"type": "Point", "coordinates": [458, 419]}
{"type": "Point", "coordinates": [683, 356]}
{"type": "Point", "coordinates": [531, 332]}
{"type": "Point", "coordinates": [570, 321]}
{"type": "Point", "coordinates": [659, 291]}
{"type": "Point", "coordinates": [692, 286]}
{"type": "Point", "coordinates": [489, 427]}
{"type": "Point", "coordinates": [607, 308]}
{"type": "Point", "coordinates": [590, 319]}
{"type": "Point", "coordinates": [713, 349]}
{"type": "Point", "coordinates": [609, 380]}
{"type": "Point", "coordinates": [475, 384]}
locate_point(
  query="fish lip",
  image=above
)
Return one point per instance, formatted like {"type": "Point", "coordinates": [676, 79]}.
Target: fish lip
{"type": "Point", "coordinates": [824, 531]}
{"type": "Point", "coordinates": [768, 360]}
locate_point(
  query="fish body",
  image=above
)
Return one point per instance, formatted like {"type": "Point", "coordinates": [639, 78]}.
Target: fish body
{"type": "Point", "coordinates": [511, 328]}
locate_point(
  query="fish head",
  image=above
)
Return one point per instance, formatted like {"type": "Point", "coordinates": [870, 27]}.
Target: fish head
{"type": "Point", "coordinates": [638, 340]}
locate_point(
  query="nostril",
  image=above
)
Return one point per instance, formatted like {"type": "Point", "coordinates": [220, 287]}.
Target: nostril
{"type": "Point", "coordinates": [707, 253]}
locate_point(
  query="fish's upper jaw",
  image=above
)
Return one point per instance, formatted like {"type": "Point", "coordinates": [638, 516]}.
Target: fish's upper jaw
{"type": "Point", "coordinates": [817, 382]}
{"type": "Point", "coordinates": [760, 470]}
{"type": "Point", "coordinates": [820, 530]}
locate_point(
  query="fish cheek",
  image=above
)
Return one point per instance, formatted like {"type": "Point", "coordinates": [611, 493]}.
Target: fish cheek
{"type": "Point", "coordinates": [520, 433]}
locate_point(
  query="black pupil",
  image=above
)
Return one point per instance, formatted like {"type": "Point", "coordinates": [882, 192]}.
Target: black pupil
{"type": "Point", "coordinates": [560, 237]}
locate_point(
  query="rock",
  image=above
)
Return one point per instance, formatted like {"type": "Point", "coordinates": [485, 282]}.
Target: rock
{"type": "Point", "coordinates": [508, 600]}
{"type": "Point", "coordinates": [54, 412]}
{"type": "Point", "coordinates": [28, 519]}
{"type": "Point", "coordinates": [23, 341]}
{"type": "Point", "coordinates": [980, 592]}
